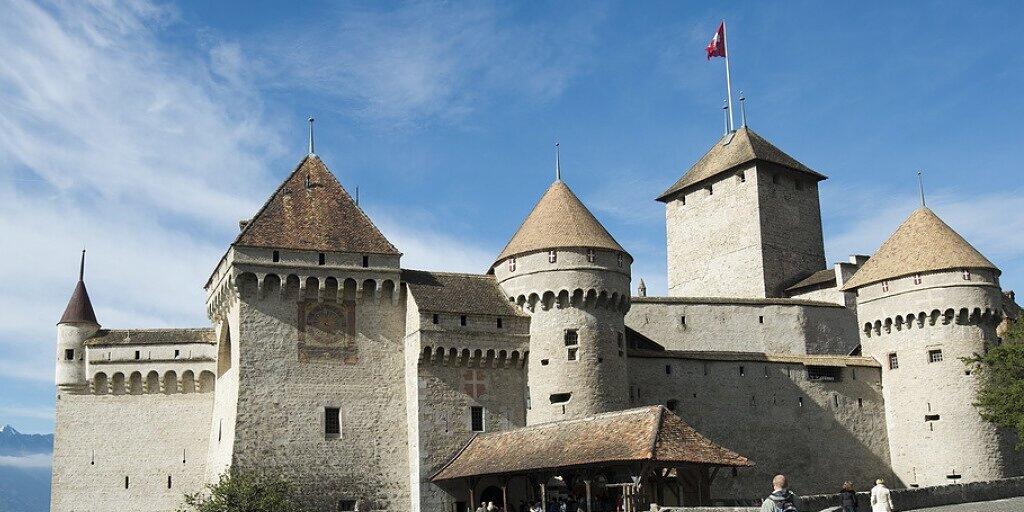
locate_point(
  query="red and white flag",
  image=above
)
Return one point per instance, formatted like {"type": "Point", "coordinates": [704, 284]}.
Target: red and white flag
{"type": "Point", "coordinates": [716, 48]}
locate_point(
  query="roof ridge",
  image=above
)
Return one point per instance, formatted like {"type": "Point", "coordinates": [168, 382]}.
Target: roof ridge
{"type": "Point", "coordinates": [488, 277]}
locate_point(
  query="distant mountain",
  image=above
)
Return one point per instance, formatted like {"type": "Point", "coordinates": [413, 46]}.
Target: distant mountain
{"type": "Point", "coordinates": [16, 444]}
{"type": "Point", "coordinates": [24, 471]}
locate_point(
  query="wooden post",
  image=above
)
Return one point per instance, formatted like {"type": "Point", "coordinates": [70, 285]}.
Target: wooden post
{"type": "Point", "coordinates": [471, 482]}
{"type": "Point", "coordinates": [586, 483]}
{"type": "Point", "coordinates": [504, 495]}
{"type": "Point", "coordinates": [543, 492]}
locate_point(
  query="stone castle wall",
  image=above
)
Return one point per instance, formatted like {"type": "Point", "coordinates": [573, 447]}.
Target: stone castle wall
{"type": "Point", "coordinates": [792, 242]}
{"type": "Point", "coordinates": [128, 452]}
{"type": "Point", "coordinates": [819, 432]}
{"type": "Point", "coordinates": [936, 434]}
{"type": "Point", "coordinates": [779, 326]}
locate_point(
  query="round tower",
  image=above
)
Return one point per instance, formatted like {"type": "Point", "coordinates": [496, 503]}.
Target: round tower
{"type": "Point", "coordinates": [572, 278]}
{"type": "Point", "coordinates": [76, 325]}
{"type": "Point", "coordinates": [925, 300]}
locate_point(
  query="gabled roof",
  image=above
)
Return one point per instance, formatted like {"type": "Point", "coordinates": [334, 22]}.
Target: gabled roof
{"type": "Point", "coordinates": [79, 308]}
{"type": "Point", "coordinates": [732, 150]}
{"type": "Point", "coordinates": [644, 434]}
{"type": "Point", "coordinates": [923, 243]}
{"type": "Point", "coordinates": [311, 211]}
{"type": "Point", "coordinates": [826, 276]}
{"type": "Point", "coordinates": [559, 220]}
{"type": "Point", "coordinates": [445, 292]}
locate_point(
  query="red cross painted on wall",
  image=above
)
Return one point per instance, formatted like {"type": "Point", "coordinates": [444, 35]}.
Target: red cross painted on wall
{"type": "Point", "coordinates": [473, 383]}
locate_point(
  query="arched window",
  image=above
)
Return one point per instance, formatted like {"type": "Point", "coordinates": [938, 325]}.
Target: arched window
{"type": "Point", "coordinates": [153, 382]}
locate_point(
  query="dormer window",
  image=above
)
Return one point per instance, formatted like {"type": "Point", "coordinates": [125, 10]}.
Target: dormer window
{"type": "Point", "coordinates": [511, 264]}
{"type": "Point", "coordinates": [591, 255]}
{"type": "Point", "coordinates": [552, 256]}
{"type": "Point", "coordinates": [966, 275]}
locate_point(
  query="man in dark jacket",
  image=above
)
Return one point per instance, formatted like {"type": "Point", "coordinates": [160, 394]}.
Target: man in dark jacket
{"type": "Point", "coordinates": [781, 499]}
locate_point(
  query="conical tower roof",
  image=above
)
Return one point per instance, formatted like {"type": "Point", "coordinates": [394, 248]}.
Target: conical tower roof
{"type": "Point", "coordinates": [923, 243]}
{"type": "Point", "coordinates": [311, 211]}
{"type": "Point", "coordinates": [732, 150]}
{"type": "Point", "coordinates": [559, 220]}
{"type": "Point", "coordinates": [79, 308]}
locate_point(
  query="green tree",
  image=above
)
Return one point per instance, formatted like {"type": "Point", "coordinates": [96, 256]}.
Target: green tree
{"type": "Point", "coordinates": [244, 492]}
{"type": "Point", "coordinates": [1001, 393]}
{"type": "Point", "coordinates": [1015, 330]}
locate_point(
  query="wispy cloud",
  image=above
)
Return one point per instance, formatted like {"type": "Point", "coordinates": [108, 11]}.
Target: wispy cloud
{"type": "Point", "coordinates": [39, 460]}
{"type": "Point", "coordinates": [426, 62]}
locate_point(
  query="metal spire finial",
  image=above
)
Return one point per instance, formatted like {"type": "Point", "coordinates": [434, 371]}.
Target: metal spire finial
{"type": "Point", "coordinates": [743, 109]}
{"type": "Point", "coordinates": [558, 164]}
{"type": "Point", "coordinates": [311, 151]}
{"type": "Point", "coordinates": [920, 185]}
{"type": "Point", "coordinates": [81, 267]}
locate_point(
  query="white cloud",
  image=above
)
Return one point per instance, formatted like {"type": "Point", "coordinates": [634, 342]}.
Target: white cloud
{"type": "Point", "coordinates": [426, 62]}
{"type": "Point", "coordinates": [38, 460]}
{"type": "Point", "coordinates": [16, 411]}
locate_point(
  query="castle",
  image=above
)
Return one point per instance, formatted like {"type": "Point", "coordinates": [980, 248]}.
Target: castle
{"type": "Point", "coordinates": [374, 387]}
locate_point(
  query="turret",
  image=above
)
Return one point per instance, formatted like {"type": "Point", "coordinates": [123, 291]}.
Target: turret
{"type": "Point", "coordinates": [572, 278]}
{"type": "Point", "coordinates": [925, 300]}
{"type": "Point", "coordinates": [77, 324]}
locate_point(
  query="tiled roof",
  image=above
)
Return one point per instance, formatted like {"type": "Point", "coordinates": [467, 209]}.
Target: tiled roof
{"type": "Point", "coordinates": [79, 308]}
{"type": "Point", "coordinates": [635, 435]}
{"type": "Point", "coordinates": [559, 220]}
{"type": "Point", "coordinates": [712, 355]}
{"type": "Point", "coordinates": [820, 277]}
{"type": "Point", "coordinates": [445, 292]}
{"type": "Point", "coordinates": [771, 301]}
{"type": "Point", "coordinates": [732, 150]}
{"type": "Point", "coordinates": [311, 211]}
{"type": "Point", "coordinates": [639, 341]}
{"type": "Point", "coordinates": [923, 243]}
{"type": "Point", "coordinates": [107, 337]}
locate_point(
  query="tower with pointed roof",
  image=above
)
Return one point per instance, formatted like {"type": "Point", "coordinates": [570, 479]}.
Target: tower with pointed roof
{"type": "Point", "coordinates": [744, 221]}
{"type": "Point", "coordinates": [76, 325]}
{"type": "Point", "coordinates": [309, 320]}
{"type": "Point", "coordinates": [572, 278]}
{"type": "Point", "coordinates": [925, 300]}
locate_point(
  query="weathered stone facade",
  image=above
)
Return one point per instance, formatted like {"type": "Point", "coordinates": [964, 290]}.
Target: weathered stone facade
{"type": "Point", "coordinates": [358, 380]}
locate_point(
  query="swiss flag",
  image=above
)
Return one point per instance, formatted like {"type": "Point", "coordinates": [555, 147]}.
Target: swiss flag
{"type": "Point", "coordinates": [716, 48]}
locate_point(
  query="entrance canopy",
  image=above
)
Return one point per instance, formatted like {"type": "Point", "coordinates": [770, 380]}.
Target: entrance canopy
{"type": "Point", "coordinates": [652, 436]}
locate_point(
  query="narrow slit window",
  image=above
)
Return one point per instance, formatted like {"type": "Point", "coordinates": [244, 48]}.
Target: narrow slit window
{"type": "Point", "coordinates": [668, 369]}
{"type": "Point", "coordinates": [742, 371]}
{"type": "Point", "coordinates": [800, 401]}
{"type": "Point", "coordinates": [476, 418]}
{"type": "Point", "coordinates": [560, 398]}
{"type": "Point", "coordinates": [618, 259]}
{"type": "Point", "coordinates": [126, 482]}
{"type": "Point", "coordinates": [499, 323]}
{"type": "Point", "coordinates": [177, 353]}
{"type": "Point", "coordinates": [322, 259]}
{"type": "Point", "coordinates": [462, 320]}
{"type": "Point", "coordinates": [366, 261]}
{"type": "Point", "coordinates": [894, 361]}
{"type": "Point", "coordinates": [860, 402]}
{"type": "Point", "coordinates": [760, 319]}
{"type": "Point", "coordinates": [276, 257]}
{"type": "Point", "coordinates": [332, 422]}
{"type": "Point", "coordinates": [168, 481]}
{"type": "Point", "coordinates": [138, 355]}
{"type": "Point", "coordinates": [682, 320]}
{"type": "Point", "coordinates": [511, 264]}
{"type": "Point", "coordinates": [435, 318]}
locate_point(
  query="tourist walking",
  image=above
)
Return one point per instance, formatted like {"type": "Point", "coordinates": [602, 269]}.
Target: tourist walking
{"type": "Point", "coordinates": [781, 499]}
{"type": "Point", "coordinates": [881, 501]}
{"type": "Point", "coordinates": [848, 497]}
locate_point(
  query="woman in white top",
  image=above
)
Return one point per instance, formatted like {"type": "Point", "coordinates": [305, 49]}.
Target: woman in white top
{"type": "Point", "coordinates": [881, 501]}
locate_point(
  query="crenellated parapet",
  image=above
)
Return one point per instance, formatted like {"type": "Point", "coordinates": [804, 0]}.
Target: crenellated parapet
{"type": "Point", "coordinates": [151, 382]}
{"type": "Point", "coordinates": [464, 357]}
{"type": "Point", "coordinates": [592, 298]}
{"type": "Point", "coordinates": [986, 317]}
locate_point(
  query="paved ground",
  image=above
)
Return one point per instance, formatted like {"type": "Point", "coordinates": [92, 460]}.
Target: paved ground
{"type": "Point", "coordinates": [1010, 505]}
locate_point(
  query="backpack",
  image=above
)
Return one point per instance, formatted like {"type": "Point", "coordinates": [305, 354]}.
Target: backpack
{"type": "Point", "coordinates": [785, 506]}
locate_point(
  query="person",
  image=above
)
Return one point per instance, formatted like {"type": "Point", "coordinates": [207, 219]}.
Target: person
{"type": "Point", "coordinates": [537, 507]}
{"type": "Point", "coordinates": [491, 507]}
{"type": "Point", "coordinates": [781, 499]}
{"type": "Point", "coordinates": [482, 507]}
{"type": "Point", "coordinates": [848, 496]}
{"type": "Point", "coordinates": [881, 501]}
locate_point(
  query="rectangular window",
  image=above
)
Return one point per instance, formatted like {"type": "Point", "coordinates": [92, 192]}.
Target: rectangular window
{"type": "Point", "coordinates": [476, 418]}
{"type": "Point", "coordinates": [860, 402]}
{"type": "Point", "coordinates": [177, 353]}
{"type": "Point", "coordinates": [931, 417]}
{"type": "Point", "coordinates": [552, 256]}
{"type": "Point", "coordinates": [668, 369]}
{"type": "Point", "coordinates": [572, 337]}
{"type": "Point", "coordinates": [618, 338]}
{"type": "Point", "coordinates": [591, 255]}
{"type": "Point", "coordinates": [742, 371]}
{"type": "Point", "coordinates": [499, 324]}
{"type": "Point", "coordinates": [125, 482]}
{"type": "Point", "coordinates": [824, 373]}
{"type": "Point", "coordinates": [462, 320]}
{"type": "Point", "coordinates": [511, 264]}
{"type": "Point", "coordinates": [366, 261]}
{"type": "Point", "coordinates": [682, 320]}
{"type": "Point", "coordinates": [138, 355]}
{"type": "Point", "coordinates": [276, 257]}
{"type": "Point", "coordinates": [572, 353]}
{"type": "Point", "coordinates": [168, 481]}
{"type": "Point", "coordinates": [435, 318]}
{"type": "Point", "coordinates": [760, 319]}
{"type": "Point", "coordinates": [967, 275]}
{"type": "Point", "coordinates": [885, 286]}
{"type": "Point", "coordinates": [347, 506]}
{"type": "Point", "coordinates": [69, 354]}
{"type": "Point", "coordinates": [894, 362]}
{"type": "Point", "coordinates": [917, 278]}
{"type": "Point", "coordinates": [322, 259]}
{"type": "Point", "coordinates": [934, 356]}
{"type": "Point", "coordinates": [332, 422]}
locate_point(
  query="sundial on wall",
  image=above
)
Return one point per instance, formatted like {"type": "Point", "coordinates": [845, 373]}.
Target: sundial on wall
{"type": "Point", "coordinates": [327, 332]}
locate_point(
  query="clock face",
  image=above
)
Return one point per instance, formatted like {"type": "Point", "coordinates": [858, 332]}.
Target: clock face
{"type": "Point", "coordinates": [325, 325]}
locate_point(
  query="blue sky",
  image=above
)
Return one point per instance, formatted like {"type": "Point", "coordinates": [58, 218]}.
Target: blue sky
{"type": "Point", "coordinates": [145, 131]}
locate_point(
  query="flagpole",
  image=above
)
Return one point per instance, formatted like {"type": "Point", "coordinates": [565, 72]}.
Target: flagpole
{"type": "Point", "coordinates": [728, 80]}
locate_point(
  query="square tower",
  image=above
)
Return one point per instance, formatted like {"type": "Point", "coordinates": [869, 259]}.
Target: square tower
{"type": "Point", "coordinates": [744, 221]}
